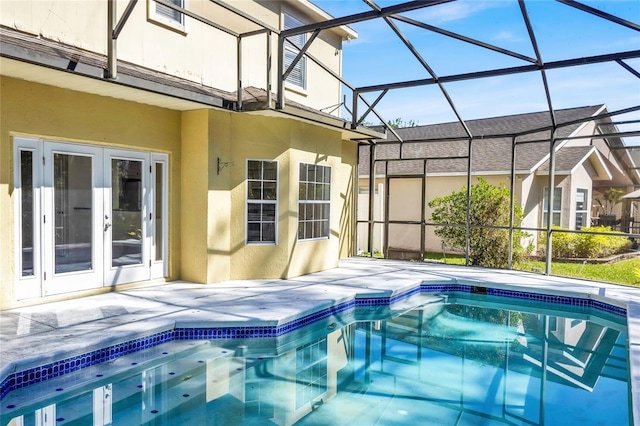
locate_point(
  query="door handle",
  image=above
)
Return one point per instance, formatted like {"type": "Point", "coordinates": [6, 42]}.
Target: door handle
{"type": "Point", "coordinates": [107, 225]}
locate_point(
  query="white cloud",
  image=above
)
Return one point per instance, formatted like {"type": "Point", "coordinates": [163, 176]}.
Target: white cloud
{"type": "Point", "coordinates": [506, 36]}
{"type": "Point", "coordinates": [455, 11]}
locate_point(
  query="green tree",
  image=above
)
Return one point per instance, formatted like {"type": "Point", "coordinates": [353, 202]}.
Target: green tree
{"type": "Point", "coordinates": [399, 123]}
{"type": "Point", "coordinates": [612, 197]}
{"type": "Point", "coordinates": [489, 207]}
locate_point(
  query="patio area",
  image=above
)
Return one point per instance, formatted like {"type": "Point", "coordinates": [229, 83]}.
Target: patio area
{"type": "Point", "coordinates": [37, 335]}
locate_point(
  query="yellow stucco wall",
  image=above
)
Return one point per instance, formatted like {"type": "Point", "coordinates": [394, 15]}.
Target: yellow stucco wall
{"type": "Point", "coordinates": [234, 138]}
{"type": "Point", "coordinates": [289, 142]}
{"type": "Point", "coordinates": [206, 209]}
{"type": "Point", "coordinates": [40, 111]}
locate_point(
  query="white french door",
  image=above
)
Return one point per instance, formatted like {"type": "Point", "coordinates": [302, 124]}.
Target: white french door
{"type": "Point", "coordinates": [72, 210]}
{"type": "Point", "coordinates": [125, 225]}
{"type": "Point", "coordinates": [87, 216]}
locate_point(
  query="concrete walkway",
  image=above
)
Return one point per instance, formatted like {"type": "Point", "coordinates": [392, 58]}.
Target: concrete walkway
{"type": "Point", "coordinates": [37, 335]}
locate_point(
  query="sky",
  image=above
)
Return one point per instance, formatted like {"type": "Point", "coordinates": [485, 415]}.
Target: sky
{"type": "Point", "coordinates": [378, 56]}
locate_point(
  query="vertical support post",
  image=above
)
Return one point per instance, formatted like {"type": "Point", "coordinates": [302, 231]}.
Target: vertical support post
{"type": "Point", "coordinates": [550, 196]}
{"type": "Point", "coordinates": [354, 109]}
{"type": "Point", "coordinates": [112, 61]}
{"type": "Point", "coordinates": [269, 69]}
{"type": "Point", "coordinates": [423, 217]}
{"type": "Point", "coordinates": [512, 197]}
{"type": "Point", "coordinates": [372, 188]}
{"type": "Point", "coordinates": [386, 210]}
{"type": "Point", "coordinates": [239, 58]}
{"type": "Point", "coordinates": [467, 246]}
{"type": "Point", "coordinates": [280, 102]}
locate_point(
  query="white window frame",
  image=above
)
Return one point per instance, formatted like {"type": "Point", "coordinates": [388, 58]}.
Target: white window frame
{"type": "Point", "coordinates": [160, 267]}
{"type": "Point", "coordinates": [555, 210]}
{"type": "Point", "coordinates": [163, 19]}
{"type": "Point", "coordinates": [28, 286]}
{"type": "Point", "coordinates": [306, 201]}
{"type": "Point", "coordinates": [261, 201]}
{"type": "Point", "coordinates": [585, 210]}
{"type": "Point", "coordinates": [289, 21]}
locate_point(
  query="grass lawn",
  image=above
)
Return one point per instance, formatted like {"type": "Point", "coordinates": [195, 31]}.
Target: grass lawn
{"type": "Point", "coordinates": [622, 272]}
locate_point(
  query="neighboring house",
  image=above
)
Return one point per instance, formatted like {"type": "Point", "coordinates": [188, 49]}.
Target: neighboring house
{"type": "Point", "coordinates": [154, 151]}
{"type": "Point", "coordinates": [432, 161]}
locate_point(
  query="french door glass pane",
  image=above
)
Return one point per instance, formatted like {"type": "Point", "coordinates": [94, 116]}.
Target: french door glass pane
{"type": "Point", "coordinates": [158, 211]}
{"type": "Point", "coordinates": [126, 205]}
{"type": "Point", "coordinates": [73, 207]}
{"type": "Point", "coordinates": [26, 185]}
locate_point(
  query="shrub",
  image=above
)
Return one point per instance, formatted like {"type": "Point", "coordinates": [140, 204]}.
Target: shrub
{"type": "Point", "coordinates": [589, 246]}
{"type": "Point", "coordinates": [489, 207]}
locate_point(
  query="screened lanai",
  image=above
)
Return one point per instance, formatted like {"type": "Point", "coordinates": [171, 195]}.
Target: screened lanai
{"type": "Point", "coordinates": [541, 97]}
{"type": "Point", "coordinates": [512, 111]}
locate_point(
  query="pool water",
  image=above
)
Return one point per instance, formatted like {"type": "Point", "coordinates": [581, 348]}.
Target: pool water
{"type": "Point", "coordinates": [454, 361]}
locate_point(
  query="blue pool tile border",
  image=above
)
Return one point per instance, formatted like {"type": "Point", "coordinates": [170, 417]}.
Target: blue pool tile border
{"type": "Point", "coordinates": [241, 332]}
{"type": "Point", "coordinates": [68, 365]}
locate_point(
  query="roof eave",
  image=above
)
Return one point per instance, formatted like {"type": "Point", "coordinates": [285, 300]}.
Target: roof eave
{"type": "Point", "coordinates": [309, 116]}
{"type": "Point", "coordinates": [318, 14]}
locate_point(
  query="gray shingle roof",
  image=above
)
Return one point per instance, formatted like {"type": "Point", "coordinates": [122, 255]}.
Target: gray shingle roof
{"type": "Point", "coordinates": [491, 147]}
{"type": "Point", "coordinates": [567, 158]}
{"type": "Point", "coordinates": [500, 126]}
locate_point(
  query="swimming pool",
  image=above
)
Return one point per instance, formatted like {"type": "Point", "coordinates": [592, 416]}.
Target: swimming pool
{"type": "Point", "coordinates": [454, 358]}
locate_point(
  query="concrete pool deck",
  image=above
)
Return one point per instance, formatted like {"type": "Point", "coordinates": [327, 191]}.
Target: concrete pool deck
{"type": "Point", "coordinates": [37, 335]}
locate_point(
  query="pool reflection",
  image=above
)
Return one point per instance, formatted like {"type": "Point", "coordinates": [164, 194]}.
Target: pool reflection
{"type": "Point", "coordinates": [443, 363]}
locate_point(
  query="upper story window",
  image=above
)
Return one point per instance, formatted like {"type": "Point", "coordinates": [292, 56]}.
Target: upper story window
{"type": "Point", "coordinates": [167, 16]}
{"type": "Point", "coordinates": [314, 200]}
{"type": "Point", "coordinates": [557, 206]}
{"type": "Point", "coordinates": [262, 201]}
{"type": "Point", "coordinates": [297, 76]}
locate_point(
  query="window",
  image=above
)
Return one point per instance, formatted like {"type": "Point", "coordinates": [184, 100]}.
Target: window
{"type": "Point", "coordinates": [557, 206]}
{"type": "Point", "coordinates": [297, 76]}
{"type": "Point", "coordinates": [262, 200]}
{"type": "Point", "coordinates": [581, 208]}
{"type": "Point", "coordinates": [26, 206]}
{"type": "Point", "coordinates": [313, 201]}
{"type": "Point", "coordinates": [167, 16]}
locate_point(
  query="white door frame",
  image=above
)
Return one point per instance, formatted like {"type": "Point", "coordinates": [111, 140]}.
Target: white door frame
{"type": "Point", "coordinates": [40, 279]}
{"type": "Point", "coordinates": [135, 272]}
{"type": "Point", "coordinates": [64, 282]}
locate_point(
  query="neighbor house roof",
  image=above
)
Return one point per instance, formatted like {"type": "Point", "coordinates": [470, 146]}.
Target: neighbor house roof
{"type": "Point", "coordinates": [491, 146]}
{"type": "Point", "coordinates": [568, 159]}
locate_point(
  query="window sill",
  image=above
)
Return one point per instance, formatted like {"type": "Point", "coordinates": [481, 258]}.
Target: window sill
{"type": "Point", "coordinates": [295, 89]}
{"type": "Point", "coordinates": [313, 239]}
{"type": "Point", "coordinates": [168, 24]}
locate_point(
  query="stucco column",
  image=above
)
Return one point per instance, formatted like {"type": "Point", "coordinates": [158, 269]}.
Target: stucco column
{"type": "Point", "coordinates": [219, 195]}
{"type": "Point", "coordinates": [193, 205]}
{"type": "Point", "coordinates": [205, 197]}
